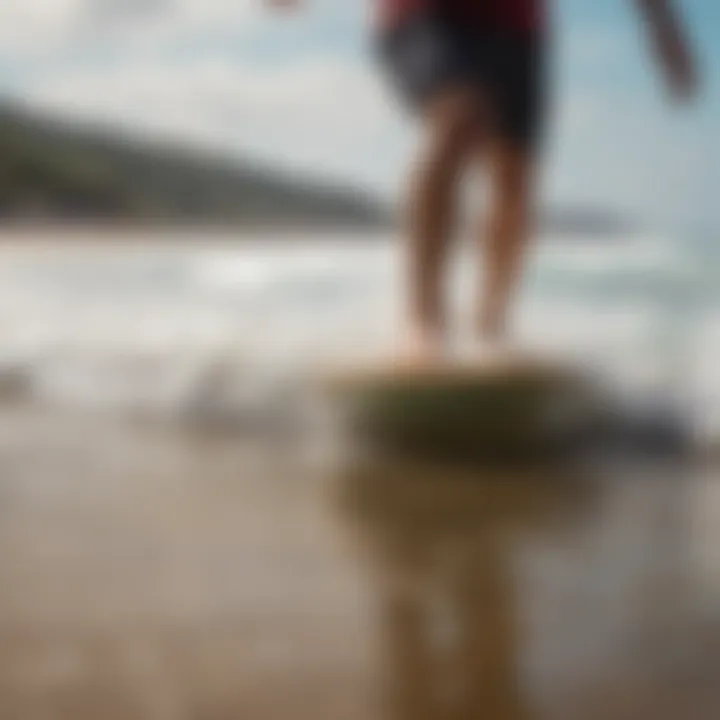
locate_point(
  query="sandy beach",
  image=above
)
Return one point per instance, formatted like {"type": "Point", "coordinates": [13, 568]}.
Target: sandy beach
{"type": "Point", "coordinates": [152, 572]}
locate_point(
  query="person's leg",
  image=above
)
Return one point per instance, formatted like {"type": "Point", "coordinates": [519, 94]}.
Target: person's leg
{"type": "Point", "coordinates": [511, 179]}
{"type": "Point", "coordinates": [428, 61]}
{"type": "Point", "coordinates": [515, 82]}
{"type": "Point", "coordinates": [449, 129]}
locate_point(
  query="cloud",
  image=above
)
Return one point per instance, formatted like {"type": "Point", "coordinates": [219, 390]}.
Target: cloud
{"type": "Point", "coordinates": [33, 24]}
{"type": "Point", "coordinates": [33, 30]}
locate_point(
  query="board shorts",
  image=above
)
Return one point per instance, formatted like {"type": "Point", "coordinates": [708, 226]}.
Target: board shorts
{"type": "Point", "coordinates": [425, 54]}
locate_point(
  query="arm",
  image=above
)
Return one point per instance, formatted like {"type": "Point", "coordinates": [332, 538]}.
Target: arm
{"type": "Point", "coordinates": [670, 45]}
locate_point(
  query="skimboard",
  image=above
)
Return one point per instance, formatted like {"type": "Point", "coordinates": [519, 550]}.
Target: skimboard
{"type": "Point", "coordinates": [461, 410]}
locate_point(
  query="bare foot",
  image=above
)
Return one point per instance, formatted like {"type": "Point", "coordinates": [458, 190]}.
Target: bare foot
{"type": "Point", "coordinates": [506, 354]}
{"type": "Point", "coordinates": [491, 351]}
{"type": "Point", "coordinates": [492, 327]}
{"type": "Point", "coordinates": [422, 349]}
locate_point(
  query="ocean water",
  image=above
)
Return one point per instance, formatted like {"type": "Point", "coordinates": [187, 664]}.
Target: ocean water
{"type": "Point", "coordinates": [228, 324]}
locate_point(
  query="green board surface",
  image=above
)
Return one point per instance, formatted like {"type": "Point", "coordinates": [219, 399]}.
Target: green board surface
{"type": "Point", "coordinates": [458, 411]}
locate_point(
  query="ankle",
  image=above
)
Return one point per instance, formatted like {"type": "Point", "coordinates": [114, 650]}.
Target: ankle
{"type": "Point", "coordinates": [492, 328]}
{"type": "Point", "coordinates": [426, 333]}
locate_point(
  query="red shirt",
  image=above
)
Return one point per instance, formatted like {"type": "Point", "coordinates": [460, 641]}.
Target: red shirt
{"type": "Point", "coordinates": [511, 14]}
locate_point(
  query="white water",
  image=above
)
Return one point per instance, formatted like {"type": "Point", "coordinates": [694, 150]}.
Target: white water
{"type": "Point", "coordinates": [164, 326]}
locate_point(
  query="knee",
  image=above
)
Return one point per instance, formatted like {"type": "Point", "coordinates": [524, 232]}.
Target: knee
{"type": "Point", "coordinates": [452, 132]}
{"type": "Point", "coordinates": [512, 177]}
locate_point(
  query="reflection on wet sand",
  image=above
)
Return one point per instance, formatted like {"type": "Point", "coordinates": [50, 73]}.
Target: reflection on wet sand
{"type": "Point", "coordinates": [469, 630]}
{"type": "Point", "coordinates": [152, 574]}
{"type": "Point", "coordinates": [440, 551]}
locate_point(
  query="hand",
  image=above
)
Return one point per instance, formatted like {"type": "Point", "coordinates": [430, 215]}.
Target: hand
{"type": "Point", "coordinates": [672, 47]}
{"type": "Point", "coordinates": [679, 68]}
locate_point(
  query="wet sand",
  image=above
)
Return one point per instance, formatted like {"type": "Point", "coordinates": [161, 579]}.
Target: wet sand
{"type": "Point", "coordinates": [148, 573]}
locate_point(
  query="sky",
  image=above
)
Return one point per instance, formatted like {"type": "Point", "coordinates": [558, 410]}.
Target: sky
{"type": "Point", "coordinates": [302, 90]}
